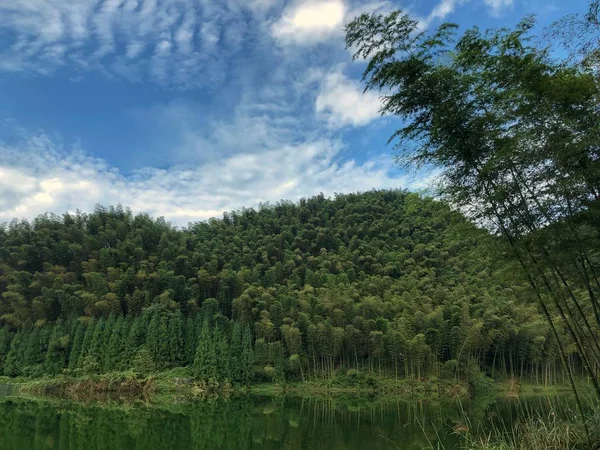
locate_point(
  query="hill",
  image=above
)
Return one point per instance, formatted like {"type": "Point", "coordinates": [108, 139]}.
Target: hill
{"type": "Point", "coordinates": [385, 281]}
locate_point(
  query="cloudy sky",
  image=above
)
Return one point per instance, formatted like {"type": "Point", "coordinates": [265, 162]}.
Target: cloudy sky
{"type": "Point", "coordinates": [188, 108]}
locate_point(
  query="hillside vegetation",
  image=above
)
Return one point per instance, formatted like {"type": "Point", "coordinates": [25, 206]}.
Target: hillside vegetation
{"type": "Point", "coordinates": [384, 282]}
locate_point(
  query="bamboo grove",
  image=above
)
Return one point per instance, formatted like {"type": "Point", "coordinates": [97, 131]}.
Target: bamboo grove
{"type": "Point", "coordinates": [385, 282]}
{"type": "Point", "coordinates": [515, 132]}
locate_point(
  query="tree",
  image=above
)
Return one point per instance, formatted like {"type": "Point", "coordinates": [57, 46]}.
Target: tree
{"type": "Point", "coordinates": [5, 339]}
{"type": "Point", "coordinates": [157, 338]}
{"type": "Point", "coordinates": [143, 363]}
{"type": "Point", "coordinates": [86, 344]}
{"type": "Point", "coordinates": [98, 345]}
{"type": "Point", "coordinates": [116, 346]}
{"type": "Point", "coordinates": [13, 365]}
{"type": "Point", "coordinates": [515, 135]}
{"type": "Point", "coordinates": [205, 362]}
{"type": "Point", "coordinates": [303, 289]}
{"type": "Point", "coordinates": [235, 353]}
{"type": "Point", "coordinates": [176, 347]}
{"type": "Point", "coordinates": [58, 350]}
{"type": "Point", "coordinates": [247, 359]}
{"type": "Point", "coordinates": [190, 339]}
{"type": "Point", "coordinates": [222, 356]}
{"type": "Point", "coordinates": [580, 36]}
{"type": "Point", "coordinates": [77, 345]}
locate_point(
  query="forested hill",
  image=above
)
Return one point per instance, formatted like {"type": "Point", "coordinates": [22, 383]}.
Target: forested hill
{"type": "Point", "coordinates": [384, 281]}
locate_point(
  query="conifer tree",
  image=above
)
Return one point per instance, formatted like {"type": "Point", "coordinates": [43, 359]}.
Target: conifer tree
{"type": "Point", "coordinates": [157, 339]}
{"type": "Point", "coordinates": [143, 363]}
{"type": "Point", "coordinates": [5, 338]}
{"type": "Point", "coordinates": [76, 345]}
{"type": "Point", "coordinates": [205, 364]}
{"type": "Point", "coordinates": [135, 339]}
{"type": "Point", "coordinates": [235, 353]}
{"type": "Point", "coordinates": [58, 350]}
{"type": "Point", "coordinates": [35, 351]}
{"type": "Point", "coordinates": [116, 346]}
{"type": "Point", "coordinates": [175, 351]}
{"type": "Point", "coordinates": [97, 347]}
{"type": "Point", "coordinates": [31, 353]}
{"type": "Point", "coordinates": [221, 350]}
{"type": "Point", "coordinates": [190, 339]}
{"type": "Point", "coordinates": [247, 359]}
{"type": "Point", "coordinates": [13, 364]}
{"type": "Point", "coordinates": [86, 343]}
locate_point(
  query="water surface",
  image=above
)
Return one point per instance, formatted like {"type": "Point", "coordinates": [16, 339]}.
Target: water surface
{"type": "Point", "coordinates": [244, 423]}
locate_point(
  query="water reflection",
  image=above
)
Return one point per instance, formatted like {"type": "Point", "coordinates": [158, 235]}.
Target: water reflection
{"type": "Point", "coordinates": [235, 424]}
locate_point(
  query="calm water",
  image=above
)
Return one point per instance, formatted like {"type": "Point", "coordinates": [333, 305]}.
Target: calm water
{"type": "Point", "coordinates": [247, 423]}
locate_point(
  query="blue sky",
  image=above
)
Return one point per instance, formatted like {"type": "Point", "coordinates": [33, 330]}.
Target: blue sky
{"type": "Point", "coordinates": [188, 108]}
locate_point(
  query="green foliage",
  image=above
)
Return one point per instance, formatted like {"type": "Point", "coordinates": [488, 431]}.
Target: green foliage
{"type": "Point", "coordinates": [143, 363]}
{"type": "Point", "coordinates": [205, 362]}
{"type": "Point", "coordinates": [116, 346]}
{"type": "Point", "coordinates": [385, 282]}
{"type": "Point", "coordinates": [236, 368]}
{"type": "Point", "coordinates": [90, 365]}
{"type": "Point", "coordinates": [58, 350]}
{"type": "Point", "coordinates": [77, 345]}
{"type": "Point", "coordinates": [14, 363]}
{"type": "Point", "coordinates": [5, 338]}
{"type": "Point", "coordinates": [481, 384]}
{"type": "Point", "coordinates": [514, 133]}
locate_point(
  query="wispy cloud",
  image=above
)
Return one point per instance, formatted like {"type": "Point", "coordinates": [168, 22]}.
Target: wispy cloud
{"type": "Point", "coordinates": [499, 7]}
{"type": "Point", "coordinates": [341, 102]}
{"type": "Point", "coordinates": [37, 175]}
{"type": "Point", "coordinates": [164, 41]}
{"type": "Point", "coordinates": [180, 43]}
{"type": "Point", "coordinates": [440, 12]}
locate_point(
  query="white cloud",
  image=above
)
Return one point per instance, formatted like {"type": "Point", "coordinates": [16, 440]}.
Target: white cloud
{"type": "Point", "coordinates": [38, 176]}
{"type": "Point", "coordinates": [341, 102]}
{"type": "Point", "coordinates": [121, 37]}
{"type": "Point", "coordinates": [499, 7]}
{"type": "Point", "coordinates": [442, 10]}
{"type": "Point", "coordinates": [310, 21]}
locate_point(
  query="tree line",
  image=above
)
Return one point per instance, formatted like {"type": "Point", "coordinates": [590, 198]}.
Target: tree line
{"type": "Point", "coordinates": [384, 282]}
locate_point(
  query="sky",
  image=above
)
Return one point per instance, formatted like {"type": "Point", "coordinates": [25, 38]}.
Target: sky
{"type": "Point", "coordinates": [189, 108]}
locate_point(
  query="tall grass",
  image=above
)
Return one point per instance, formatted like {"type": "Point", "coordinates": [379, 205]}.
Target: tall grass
{"type": "Point", "coordinates": [544, 423]}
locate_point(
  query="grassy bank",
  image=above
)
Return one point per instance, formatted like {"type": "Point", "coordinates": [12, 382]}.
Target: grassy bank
{"type": "Point", "coordinates": [179, 382]}
{"type": "Point", "coordinates": [128, 384]}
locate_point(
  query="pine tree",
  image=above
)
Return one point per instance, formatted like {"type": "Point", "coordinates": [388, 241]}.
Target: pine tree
{"type": "Point", "coordinates": [135, 339]}
{"type": "Point", "coordinates": [157, 339]}
{"type": "Point", "coordinates": [116, 345]}
{"type": "Point", "coordinates": [93, 360]}
{"type": "Point", "coordinates": [35, 351]}
{"type": "Point", "coordinates": [205, 364]}
{"type": "Point", "coordinates": [31, 353]}
{"type": "Point", "coordinates": [76, 346]}
{"type": "Point", "coordinates": [58, 350]}
{"type": "Point", "coordinates": [86, 344]}
{"type": "Point", "coordinates": [175, 343]}
{"type": "Point", "coordinates": [14, 358]}
{"type": "Point", "coordinates": [247, 359]}
{"type": "Point", "coordinates": [143, 363]}
{"type": "Point", "coordinates": [221, 350]}
{"type": "Point", "coordinates": [190, 339]}
{"type": "Point", "coordinates": [5, 339]}
{"type": "Point", "coordinates": [235, 353]}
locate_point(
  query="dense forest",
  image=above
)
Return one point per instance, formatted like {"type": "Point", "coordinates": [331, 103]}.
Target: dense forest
{"type": "Point", "coordinates": [385, 282]}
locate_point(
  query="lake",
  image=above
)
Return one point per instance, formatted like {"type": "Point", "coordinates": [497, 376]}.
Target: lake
{"type": "Point", "coordinates": [246, 423]}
